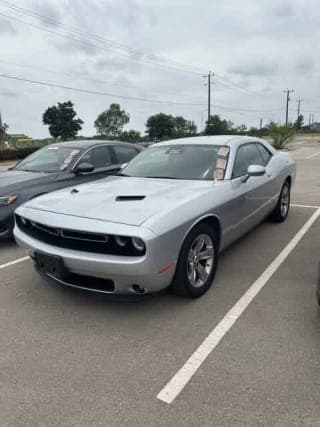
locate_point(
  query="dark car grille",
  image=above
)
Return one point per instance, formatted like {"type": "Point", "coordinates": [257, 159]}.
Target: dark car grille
{"type": "Point", "coordinates": [77, 240]}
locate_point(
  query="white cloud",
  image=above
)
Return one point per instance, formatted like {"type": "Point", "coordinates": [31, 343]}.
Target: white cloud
{"type": "Point", "coordinates": [263, 46]}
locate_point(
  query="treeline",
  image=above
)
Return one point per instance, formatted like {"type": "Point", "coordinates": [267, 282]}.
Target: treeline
{"type": "Point", "coordinates": [64, 124]}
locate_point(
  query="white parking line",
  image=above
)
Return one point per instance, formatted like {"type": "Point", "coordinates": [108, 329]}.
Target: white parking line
{"type": "Point", "coordinates": [313, 155]}
{"type": "Point", "coordinates": [177, 383]}
{"type": "Point", "coordinates": [16, 261]}
{"type": "Point", "coordinates": [305, 206]}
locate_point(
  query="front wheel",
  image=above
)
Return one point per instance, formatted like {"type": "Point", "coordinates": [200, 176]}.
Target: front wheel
{"type": "Point", "coordinates": [197, 263]}
{"type": "Point", "coordinates": [281, 211]}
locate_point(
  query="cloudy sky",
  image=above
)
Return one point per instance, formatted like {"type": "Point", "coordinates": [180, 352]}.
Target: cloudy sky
{"type": "Point", "coordinates": [158, 50]}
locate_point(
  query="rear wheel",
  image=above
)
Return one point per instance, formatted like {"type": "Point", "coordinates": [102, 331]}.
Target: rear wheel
{"type": "Point", "coordinates": [197, 263]}
{"type": "Point", "coordinates": [281, 211]}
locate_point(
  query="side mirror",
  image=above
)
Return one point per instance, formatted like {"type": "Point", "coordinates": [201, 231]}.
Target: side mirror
{"type": "Point", "coordinates": [254, 170]}
{"type": "Point", "coordinates": [124, 165]}
{"type": "Point", "coordinates": [84, 168]}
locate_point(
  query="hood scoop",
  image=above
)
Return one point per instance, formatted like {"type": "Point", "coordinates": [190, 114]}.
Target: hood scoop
{"type": "Point", "coordinates": [129, 198]}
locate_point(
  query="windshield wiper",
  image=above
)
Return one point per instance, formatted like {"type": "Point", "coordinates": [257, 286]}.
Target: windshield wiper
{"type": "Point", "coordinates": [121, 174]}
{"type": "Point", "coordinates": [161, 177]}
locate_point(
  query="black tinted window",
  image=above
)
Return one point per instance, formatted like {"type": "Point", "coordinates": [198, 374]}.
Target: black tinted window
{"type": "Point", "coordinates": [265, 153]}
{"type": "Point", "coordinates": [124, 154]}
{"type": "Point", "coordinates": [99, 157]}
{"type": "Point", "coordinates": [246, 155]}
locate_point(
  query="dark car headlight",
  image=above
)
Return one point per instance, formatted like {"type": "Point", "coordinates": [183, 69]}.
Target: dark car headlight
{"type": "Point", "coordinates": [133, 245]}
{"type": "Point", "coordinates": [138, 244]}
{"type": "Point", "coordinates": [121, 240]}
{"type": "Point", "coordinates": [7, 200]}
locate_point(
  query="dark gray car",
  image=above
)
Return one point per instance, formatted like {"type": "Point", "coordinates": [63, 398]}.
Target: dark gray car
{"type": "Point", "coordinates": [57, 166]}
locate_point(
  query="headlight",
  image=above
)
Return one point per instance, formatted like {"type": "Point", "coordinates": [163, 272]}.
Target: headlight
{"type": "Point", "coordinates": [138, 243]}
{"type": "Point", "coordinates": [121, 240]}
{"type": "Point", "coordinates": [7, 200]}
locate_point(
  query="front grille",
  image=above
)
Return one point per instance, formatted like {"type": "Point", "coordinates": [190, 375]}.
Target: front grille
{"type": "Point", "coordinates": [77, 240]}
{"type": "Point", "coordinates": [3, 228]}
{"type": "Point", "coordinates": [91, 283]}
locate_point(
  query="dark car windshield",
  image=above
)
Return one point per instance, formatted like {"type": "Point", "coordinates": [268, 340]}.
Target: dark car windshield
{"type": "Point", "coordinates": [194, 162]}
{"type": "Point", "coordinates": [48, 159]}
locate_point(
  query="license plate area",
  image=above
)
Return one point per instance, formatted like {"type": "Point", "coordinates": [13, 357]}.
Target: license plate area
{"type": "Point", "coordinates": [51, 265]}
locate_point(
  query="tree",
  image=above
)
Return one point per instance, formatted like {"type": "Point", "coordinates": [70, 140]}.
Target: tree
{"type": "Point", "coordinates": [253, 131]}
{"type": "Point", "coordinates": [217, 126]}
{"type": "Point", "coordinates": [110, 122]}
{"type": "Point", "coordinates": [165, 126]}
{"type": "Point", "coordinates": [62, 120]}
{"type": "Point", "coordinates": [183, 127]}
{"type": "Point", "coordinates": [160, 126]}
{"type": "Point", "coordinates": [130, 136]}
{"type": "Point", "coordinates": [3, 134]}
{"type": "Point", "coordinates": [299, 122]}
{"type": "Point", "coordinates": [280, 134]}
{"type": "Point", "coordinates": [241, 130]}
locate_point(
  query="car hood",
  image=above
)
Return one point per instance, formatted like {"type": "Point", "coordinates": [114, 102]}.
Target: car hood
{"type": "Point", "coordinates": [14, 180]}
{"type": "Point", "coordinates": [129, 201]}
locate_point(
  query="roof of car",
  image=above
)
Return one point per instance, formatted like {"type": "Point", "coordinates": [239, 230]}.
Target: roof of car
{"type": "Point", "coordinates": [211, 139]}
{"type": "Point", "coordinates": [88, 143]}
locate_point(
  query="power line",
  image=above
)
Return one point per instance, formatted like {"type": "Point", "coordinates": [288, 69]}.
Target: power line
{"type": "Point", "coordinates": [87, 78]}
{"type": "Point", "coordinates": [152, 59]}
{"type": "Point", "coordinates": [228, 83]}
{"type": "Point", "coordinates": [59, 86]}
{"type": "Point", "coordinates": [248, 110]}
{"type": "Point", "coordinates": [155, 101]}
{"type": "Point", "coordinates": [96, 37]}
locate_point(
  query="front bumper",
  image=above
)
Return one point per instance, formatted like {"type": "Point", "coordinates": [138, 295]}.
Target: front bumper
{"type": "Point", "coordinates": [150, 272]}
{"type": "Point", "coordinates": [6, 222]}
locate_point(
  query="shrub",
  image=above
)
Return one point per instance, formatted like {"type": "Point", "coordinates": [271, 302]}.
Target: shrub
{"type": "Point", "coordinates": [280, 134]}
{"type": "Point", "coordinates": [16, 154]}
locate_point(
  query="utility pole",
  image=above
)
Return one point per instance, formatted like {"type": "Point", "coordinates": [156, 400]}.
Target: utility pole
{"type": "Point", "coordinates": [288, 91]}
{"type": "Point", "coordinates": [299, 107]}
{"type": "Point", "coordinates": [2, 134]}
{"type": "Point", "coordinates": [210, 82]}
{"type": "Point", "coordinates": [260, 125]}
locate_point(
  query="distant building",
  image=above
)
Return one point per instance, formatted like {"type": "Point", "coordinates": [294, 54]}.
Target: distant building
{"type": "Point", "coordinates": [19, 140]}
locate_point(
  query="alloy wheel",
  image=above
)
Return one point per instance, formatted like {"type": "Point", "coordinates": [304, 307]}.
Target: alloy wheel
{"type": "Point", "coordinates": [200, 260]}
{"type": "Point", "coordinates": [285, 201]}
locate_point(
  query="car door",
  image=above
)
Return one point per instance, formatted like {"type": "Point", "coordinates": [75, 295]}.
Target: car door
{"type": "Point", "coordinates": [250, 197]}
{"type": "Point", "coordinates": [102, 159]}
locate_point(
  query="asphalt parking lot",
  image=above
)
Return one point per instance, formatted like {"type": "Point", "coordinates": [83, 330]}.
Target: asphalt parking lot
{"type": "Point", "coordinates": [73, 359]}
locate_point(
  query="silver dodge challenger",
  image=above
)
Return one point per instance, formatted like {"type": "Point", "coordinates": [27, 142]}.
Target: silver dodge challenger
{"type": "Point", "coordinates": [162, 221]}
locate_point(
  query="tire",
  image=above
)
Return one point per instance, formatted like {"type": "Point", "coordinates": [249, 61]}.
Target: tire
{"type": "Point", "coordinates": [281, 211]}
{"type": "Point", "coordinates": [193, 275]}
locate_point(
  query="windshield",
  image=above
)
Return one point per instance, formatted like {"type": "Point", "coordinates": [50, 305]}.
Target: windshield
{"type": "Point", "coordinates": [194, 162]}
{"type": "Point", "coordinates": [48, 159]}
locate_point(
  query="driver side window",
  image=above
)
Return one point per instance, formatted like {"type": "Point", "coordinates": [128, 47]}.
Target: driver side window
{"type": "Point", "coordinates": [247, 155]}
{"type": "Point", "coordinates": [99, 157]}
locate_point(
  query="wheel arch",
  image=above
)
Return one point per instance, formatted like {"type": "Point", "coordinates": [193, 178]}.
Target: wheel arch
{"type": "Point", "coordinates": [210, 219]}
{"type": "Point", "coordinates": [289, 179]}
